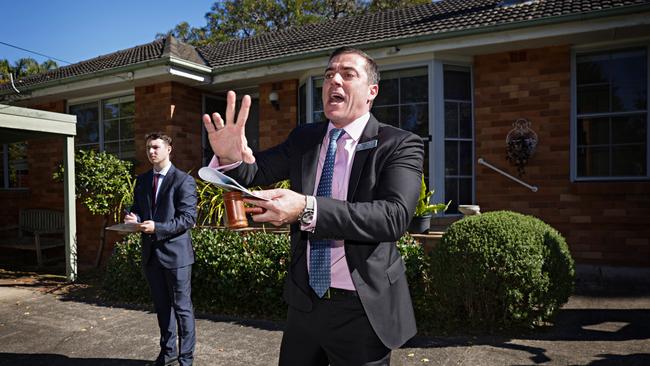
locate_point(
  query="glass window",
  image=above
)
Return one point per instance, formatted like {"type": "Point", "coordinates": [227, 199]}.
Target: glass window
{"type": "Point", "coordinates": [13, 165]}
{"type": "Point", "coordinates": [459, 136]}
{"type": "Point", "coordinates": [106, 125]}
{"type": "Point", "coordinates": [612, 117]}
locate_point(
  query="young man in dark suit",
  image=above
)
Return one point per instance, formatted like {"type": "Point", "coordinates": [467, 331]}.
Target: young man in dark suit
{"type": "Point", "coordinates": [165, 209]}
{"type": "Point", "coordinates": [354, 187]}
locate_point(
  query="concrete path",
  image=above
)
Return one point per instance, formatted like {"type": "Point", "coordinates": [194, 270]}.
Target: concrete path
{"type": "Point", "coordinates": [41, 328]}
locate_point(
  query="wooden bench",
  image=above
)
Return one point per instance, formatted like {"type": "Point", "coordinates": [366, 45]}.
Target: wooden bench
{"type": "Point", "coordinates": [37, 229]}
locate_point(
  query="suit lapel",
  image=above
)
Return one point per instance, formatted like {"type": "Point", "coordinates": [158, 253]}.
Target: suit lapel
{"type": "Point", "coordinates": [369, 133]}
{"type": "Point", "coordinates": [310, 160]}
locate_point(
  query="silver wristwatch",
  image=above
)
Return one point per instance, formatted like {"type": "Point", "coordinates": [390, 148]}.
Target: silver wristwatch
{"type": "Point", "coordinates": [307, 215]}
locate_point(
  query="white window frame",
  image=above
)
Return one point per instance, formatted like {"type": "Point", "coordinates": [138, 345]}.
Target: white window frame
{"type": "Point", "coordinates": [99, 99]}
{"type": "Point", "coordinates": [574, 112]}
{"type": "Point", "coordinates": [437, 113]}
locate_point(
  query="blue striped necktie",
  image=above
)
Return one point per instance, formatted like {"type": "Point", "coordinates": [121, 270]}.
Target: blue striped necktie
{"type": "Point", "coordinates": [320, 256]}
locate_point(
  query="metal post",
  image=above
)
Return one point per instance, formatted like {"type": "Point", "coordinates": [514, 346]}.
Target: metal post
{"type": "Point", "coordinates": [70, 210]}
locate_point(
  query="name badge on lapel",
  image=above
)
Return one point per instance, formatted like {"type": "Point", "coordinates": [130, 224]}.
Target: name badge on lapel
{"type": "Point", "coordinates": [367, 145]}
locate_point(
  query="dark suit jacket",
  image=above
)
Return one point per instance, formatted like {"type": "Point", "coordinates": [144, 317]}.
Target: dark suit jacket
{"type": "Point", "coordinates": [174, 216]}
{"type": "Point", "coordinates": [382, 194]}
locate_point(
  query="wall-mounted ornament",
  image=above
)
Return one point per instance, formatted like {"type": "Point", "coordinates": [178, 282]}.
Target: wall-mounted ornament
{"type": "Point", "coordinates": [520, 144]}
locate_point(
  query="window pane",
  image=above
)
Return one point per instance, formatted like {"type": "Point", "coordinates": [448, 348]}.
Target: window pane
{"type": "Point", "coordinates": [111, 130]}
{"type": "Point", "coordinates": [317, 97]}
{"type": "Point", "coordinates": [126, 128]}
{"type": "Point", "coordinates": [415, 118]}
{"type": "Point", "coordinates": [112, 148]}
{"type": "Point", "coordinates": [592, 69]}
{"type": "Point", "coordinates": [593, 131]}
{"type": "Point", "coordinates": [629, 129]}
{"type": "Point", "coordinates": [319, 117]}
{"type": "Point", "coordinates": [414, 89]}
{"type": "Point", "coordinates": [17, 165]}
{"type": "Point", "coordinates": [388, 92]}
{"type": "Point", "coordinates": [464, 191]}
{"type": "Point", "coordinates": [629, 77]}
{"type": "Point", "coordinates": [451, 119]}
{"type": "Point", "coordinates": [593, 161]}
{"type": "Point", "coordinates": [629, 160]}
{"type": "Point", "coordinates": [457, 84]}
{"type": "Point", "coordinates": [388, 115]}
{"type": "Point", "coordinates": [302, 104]}
{"type": "Point", "coordinates": [465, 120]}
{"type": "Point", "coordinates": [593, 99]}
{"type": "Point", "coordinates": [451, 157]}
{"type": "Point", "coordinates": [127, 149]}
{"type": "Point", "coordinates": [111, 109]}
{"type": "Point", "coordinates": [465, 164]}
{"type": "Point", "coordinates": [87, 122]}
{"type": "Point", "coordinates": [127, 107]}
{"type": "Point", "coordinates": [451, 194]}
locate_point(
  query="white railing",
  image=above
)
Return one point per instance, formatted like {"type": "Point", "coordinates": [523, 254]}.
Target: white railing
{"type": "Point", "coordinates": [483, 162]}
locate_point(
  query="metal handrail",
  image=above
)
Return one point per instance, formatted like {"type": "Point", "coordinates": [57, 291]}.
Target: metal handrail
{"type": "Point", "coordinates": [483, 162]}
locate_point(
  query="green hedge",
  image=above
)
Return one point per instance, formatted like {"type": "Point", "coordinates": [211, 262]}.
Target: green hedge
{"type": "Point", "coordinates": [493, 271]}
{"type": "Point", "coordinates": [501, 270]}
{"type": "Point", "coordinates": [235, 273]}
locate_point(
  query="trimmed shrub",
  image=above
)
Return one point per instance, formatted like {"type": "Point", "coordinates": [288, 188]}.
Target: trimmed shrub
{"type": "Point", "coordinates": [500, 269]}
{"type": "Point", "coordinates": [124, 279]}
{"type": "Point", "coordinates": [234, 273]}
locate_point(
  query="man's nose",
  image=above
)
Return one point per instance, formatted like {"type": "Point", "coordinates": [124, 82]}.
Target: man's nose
{"type": "Point", "coordinates": [337, 79]}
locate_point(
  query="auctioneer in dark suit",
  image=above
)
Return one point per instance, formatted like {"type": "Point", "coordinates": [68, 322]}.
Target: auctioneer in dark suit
{"type": "Point", "coordinates": [167, 256]}
{"type": "Point", "coordinates": [383, 190]}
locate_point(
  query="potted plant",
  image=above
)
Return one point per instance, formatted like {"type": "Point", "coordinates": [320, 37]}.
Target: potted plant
{"type": "Point", "coordinates": [424, 211]}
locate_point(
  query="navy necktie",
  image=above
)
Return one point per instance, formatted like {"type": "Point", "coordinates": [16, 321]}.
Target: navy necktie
{"type": "Point", "coordinates": [320, 256]}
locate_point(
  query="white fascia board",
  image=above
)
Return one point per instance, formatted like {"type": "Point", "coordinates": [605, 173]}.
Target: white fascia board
{"type": "Point", "coordinates": [269, 70]}
{"type": "Point", "coordinates": [189, 65]}
{"type": "Point", "coordinates": [187, 75]}
{"type": "Point", "coordinates": [105, 81]}
{"type": "Point", "coordinates": [27, 119]}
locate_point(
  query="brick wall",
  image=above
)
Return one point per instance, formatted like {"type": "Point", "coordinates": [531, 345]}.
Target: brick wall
{"type": "Point", "coordinates": [603, 222]}
{"type": "Point", "coordinates": [174, 109]}
{"type": "Point", "coordinates": [275, 124]}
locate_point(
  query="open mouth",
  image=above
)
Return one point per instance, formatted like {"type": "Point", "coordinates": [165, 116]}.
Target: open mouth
{"type": "Point", "coordinates": [336, 98]}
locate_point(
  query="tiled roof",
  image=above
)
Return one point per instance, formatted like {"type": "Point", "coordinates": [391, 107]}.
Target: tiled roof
{"type": "Point", "coordinates": [436, 18]}
{"type": "Point", "coordinates": [442, 18]}
{"type": "Point", "coordinates": [146, 52]}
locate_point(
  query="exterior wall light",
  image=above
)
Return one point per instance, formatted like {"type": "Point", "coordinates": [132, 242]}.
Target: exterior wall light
{"type": "Point", "coordinates": [274, 98]}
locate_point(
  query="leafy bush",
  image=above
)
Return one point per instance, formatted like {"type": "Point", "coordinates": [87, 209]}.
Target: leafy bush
{"type": "Point", "coordinates": [234, 273]}
{"type": "Point", "coordinates": [124, 279]}
{"type": "Point", "coordinates": [500, 269]}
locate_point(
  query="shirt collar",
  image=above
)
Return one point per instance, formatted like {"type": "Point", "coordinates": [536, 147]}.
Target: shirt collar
{"type": "Point", "coordinates": [353, 129]}
{"type": "Point", "coordinates": [164, 170]}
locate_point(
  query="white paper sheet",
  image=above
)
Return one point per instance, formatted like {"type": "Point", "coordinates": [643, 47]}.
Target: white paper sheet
{"type": "Point", "coordinates": [219, 179]}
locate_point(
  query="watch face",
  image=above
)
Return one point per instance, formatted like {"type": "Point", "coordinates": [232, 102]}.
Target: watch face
{"type": "Point", "coordinates": [306, 217]}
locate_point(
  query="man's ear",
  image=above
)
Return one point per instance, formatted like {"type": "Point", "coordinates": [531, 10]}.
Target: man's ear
{"type": "Point", "coordinates": [373, 90]}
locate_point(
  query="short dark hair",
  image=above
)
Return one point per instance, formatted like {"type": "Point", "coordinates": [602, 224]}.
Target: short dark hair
{"type": "Point", "coordinates": [158, 135]}
{"type": "Point", "coordinates": [371, 66]}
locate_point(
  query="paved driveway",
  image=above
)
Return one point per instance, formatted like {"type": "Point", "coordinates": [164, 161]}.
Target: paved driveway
{"type": "Point", "coordinates": [41, 328]}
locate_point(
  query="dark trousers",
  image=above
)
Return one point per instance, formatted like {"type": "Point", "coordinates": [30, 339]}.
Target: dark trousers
{"type": "Point", "coordinates": [171, 291]}
{"type": "Point", "coordinates": [336, 332]}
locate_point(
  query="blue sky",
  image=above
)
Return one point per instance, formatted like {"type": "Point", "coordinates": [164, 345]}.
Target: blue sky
{"type": "Point", "coordinates": [77, 30]}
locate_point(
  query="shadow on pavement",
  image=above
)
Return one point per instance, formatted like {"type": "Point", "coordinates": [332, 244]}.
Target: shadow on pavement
{"type": "Point", "coordinates": [637, 359]}
{"type": "Point", "coordinates": [45, 359]}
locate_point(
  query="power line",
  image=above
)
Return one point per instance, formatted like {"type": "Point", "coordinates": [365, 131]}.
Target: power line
{"type": "Point", "coordinates": [36, 53]}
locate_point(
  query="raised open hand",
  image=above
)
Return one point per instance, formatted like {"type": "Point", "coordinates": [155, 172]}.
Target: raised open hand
{"type": "Point", "coordinates": [228, 140]}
